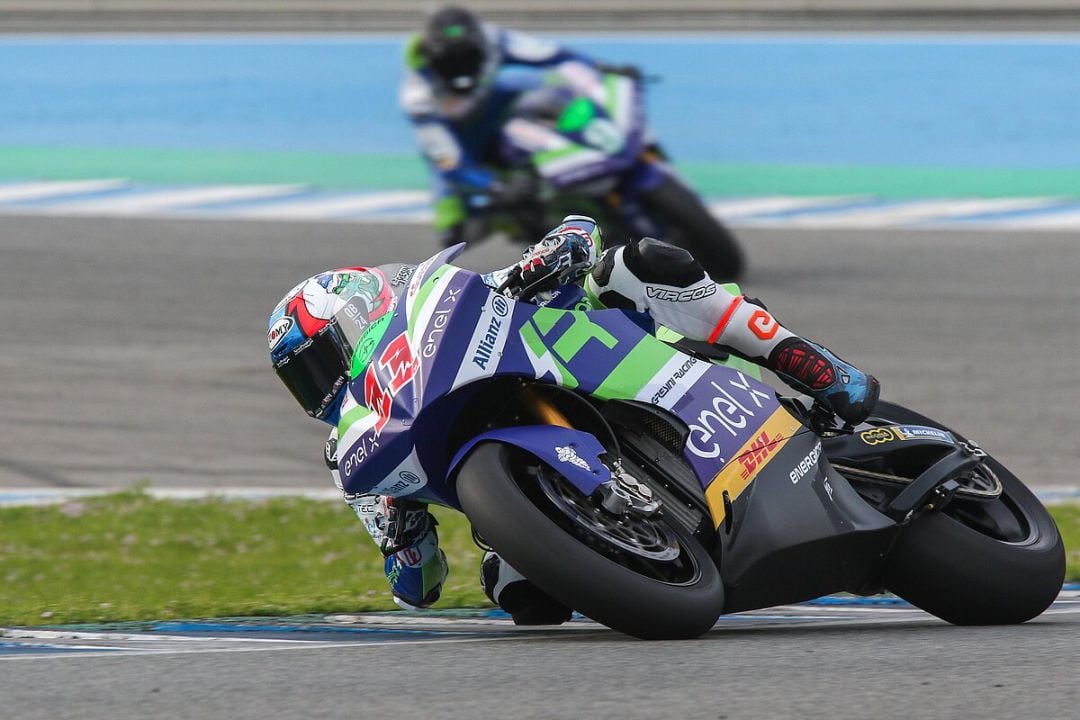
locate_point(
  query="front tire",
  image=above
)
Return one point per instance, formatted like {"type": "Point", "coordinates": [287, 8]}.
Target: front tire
{"type": "Point", "coordinates": [505, 506]}
{"type": "Point", "coordinates": [978, 563]}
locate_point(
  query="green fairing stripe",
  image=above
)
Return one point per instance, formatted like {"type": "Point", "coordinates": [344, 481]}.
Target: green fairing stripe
{"type": "Point", "coordinates": [536, 345]}
{"type": "Point", "coordinates": [414, 59]}
{"type": "Point", "coordinates": [557, 154]}
{"type": "Point", "coordinates": [366, 347]}
{"type": "Point", "coordinates": [351, 418]}
{"type": "Point", "coordinates": [612, 87]}
{"type": "Point", "coordinates": [576, 115]}
{"type": "Point", "coordinates": [422, 296]}
{"type": "Point", "coordinates": [635, 370]}
{"type": "Point", "coordinates": [449, 211]}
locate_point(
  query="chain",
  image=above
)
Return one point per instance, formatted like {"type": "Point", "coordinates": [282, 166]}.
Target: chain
{"type": "Point", "coordinates": [870, 475]}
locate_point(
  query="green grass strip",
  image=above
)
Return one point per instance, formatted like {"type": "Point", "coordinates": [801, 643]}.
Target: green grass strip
{"type": "Point", "coordinates": [129, 557]}
{"type": "Point", "coordinates": [408, 171]}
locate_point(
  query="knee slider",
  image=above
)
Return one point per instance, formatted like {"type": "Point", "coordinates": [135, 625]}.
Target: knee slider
{"type": "Point", "coordinates": [655, 261]}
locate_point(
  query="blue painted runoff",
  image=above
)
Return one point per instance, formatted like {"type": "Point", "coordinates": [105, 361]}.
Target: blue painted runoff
{"type": "Point", "coordinates": [920, 100]}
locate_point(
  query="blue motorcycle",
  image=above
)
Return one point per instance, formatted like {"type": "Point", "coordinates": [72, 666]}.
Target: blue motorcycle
{"type": "Point", "coordinates": [582, 138]}
{"type": "Point", "coordinates": [653, 485]}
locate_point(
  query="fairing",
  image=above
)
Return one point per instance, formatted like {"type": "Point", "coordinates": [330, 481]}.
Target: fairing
{"type": "Point", "coordinates": [450, 332]}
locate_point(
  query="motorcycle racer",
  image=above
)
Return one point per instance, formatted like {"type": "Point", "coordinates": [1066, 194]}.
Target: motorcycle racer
{"type": "Point", "coordinates": [455, 98]}
{"type": "Point", "coordinates": [647, 276]}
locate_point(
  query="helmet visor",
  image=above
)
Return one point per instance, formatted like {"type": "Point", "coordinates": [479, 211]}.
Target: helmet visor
{"type": "Point", "coordinates": [459, 66]}
{"type": "Point", "coordinates": [316, 370]}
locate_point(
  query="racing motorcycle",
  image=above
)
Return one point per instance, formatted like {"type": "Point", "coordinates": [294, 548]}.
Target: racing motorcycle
{"type": "Point", "coordinates": [581, 142]}
{"type": "Point", "coordinates": [653, 484]}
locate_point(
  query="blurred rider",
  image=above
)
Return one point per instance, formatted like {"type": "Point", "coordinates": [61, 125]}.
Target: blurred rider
{"type": "Point", "coordinates": [646, 276]}
{"type": "Point", "coordinates": [456, 100]}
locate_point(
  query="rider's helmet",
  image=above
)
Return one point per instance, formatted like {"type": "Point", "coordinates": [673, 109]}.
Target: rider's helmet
{"type": "Point", "coordinates": [461, 56]}
{"type": "Point", "coordinates": [313, 330]}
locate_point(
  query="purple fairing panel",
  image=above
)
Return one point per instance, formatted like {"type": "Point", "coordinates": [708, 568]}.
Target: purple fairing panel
{"type": "Point", "coordinates": [526, 134]}
{"type": "Point", "coordinates": [468, 334]}
{"type": "Point", "coordinates": [479, 339]}
{"type": "Point", "coordinates": [722, 410]}
{"type": "Point", "coordinates": [573, 453]}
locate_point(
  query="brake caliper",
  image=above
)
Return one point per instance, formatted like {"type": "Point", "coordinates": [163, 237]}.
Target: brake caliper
{"type": "Point", "coordinates": [624, 494]}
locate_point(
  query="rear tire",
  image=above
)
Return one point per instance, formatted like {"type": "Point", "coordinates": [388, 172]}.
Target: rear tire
{"type": "Point", "coordinates": [579, 576]}
{"type": "Point", "coordinates": [689, 224]}
{"type": "Point", "coordinates": [978, 563]}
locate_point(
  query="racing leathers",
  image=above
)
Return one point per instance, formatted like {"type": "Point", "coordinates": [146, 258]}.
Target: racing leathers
{"type": "Point", "coordinates": [645, 276]}
{"type": "Point", "coordinates": [457, 133]}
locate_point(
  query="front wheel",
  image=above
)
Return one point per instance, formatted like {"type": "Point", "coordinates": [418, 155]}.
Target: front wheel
{"type": "Point", "coordinates": [978, 562]}
{"type": "Point", "coordinates": [643, 577]}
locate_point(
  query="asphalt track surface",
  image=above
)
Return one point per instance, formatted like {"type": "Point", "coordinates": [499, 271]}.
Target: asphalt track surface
{"type": "Point", "coordinates": [133, 350]}
{"type": "Point", "coordinates": [797, 661]}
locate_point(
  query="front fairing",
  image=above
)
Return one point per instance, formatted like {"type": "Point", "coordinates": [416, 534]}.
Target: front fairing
{"type": "Point", "coordinates": [607, 140]}
{"type": "Point", "coordinates": [449, 331]}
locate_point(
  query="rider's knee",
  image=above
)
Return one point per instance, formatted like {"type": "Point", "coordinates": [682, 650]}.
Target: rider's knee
{"type": "Point", "coordinates": [655, 261]}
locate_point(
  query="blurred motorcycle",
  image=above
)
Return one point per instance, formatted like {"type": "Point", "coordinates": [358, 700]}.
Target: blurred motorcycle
{"type": "Point", "coordinates": [580, 144]}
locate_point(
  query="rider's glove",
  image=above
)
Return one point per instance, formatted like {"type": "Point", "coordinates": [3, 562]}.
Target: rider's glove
{"type": "Point", "coordinates": [401, 522]}
{"type": "Point", "coordinates": [565, 254]}
{"type": "Point", "coordinates": [631, 71]}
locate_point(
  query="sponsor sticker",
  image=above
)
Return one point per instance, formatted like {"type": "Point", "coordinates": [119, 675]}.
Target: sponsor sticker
{"type": "Point", "coordinates": [754, 455]}
{"type": "Point", "coordinates": [679, 373]}
{"type": "Point", "coordinates": [763, 325]}
{"type": "Point", "coordinates": [568, 454]}
{"type": "Point", "coordinates": [279, 330]}
{"type": "Point", "coordinates": [727, 416]}
{"type": "Point", "coordinates": [879, 435]}
{"type": "Point", "coordinates": [439, 320]}
{"type": "Point", "coordinates": [807, 464]}
{"type": "Point", "coordinates": [680, 296]}
{"type": "Point", "coordinates": [488, 340]}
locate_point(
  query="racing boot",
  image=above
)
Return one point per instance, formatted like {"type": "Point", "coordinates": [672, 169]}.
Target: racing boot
{"type": "Point", "coordinates": [750, 330]}
{"type": "Point", "coordinates": [510, 590]}
{"type": "Point", "coordinates": [810, 368]}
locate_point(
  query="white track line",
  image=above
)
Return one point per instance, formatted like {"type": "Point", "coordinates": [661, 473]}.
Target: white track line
{"type": "Point", "coordinates": [164, 200]}
{"type": "Point", "coordinates": [917, 212]}
{"type": "Point", "coordinates": [774, 204]}
{"type": "Point", "coordinates": [336, 206]}
{"type": "Point", "coordinates": [316, 645]}
{"type": "Point", "coordinates": [22, 192]}
{"type": "Point", "coordinates": [1051, 221]}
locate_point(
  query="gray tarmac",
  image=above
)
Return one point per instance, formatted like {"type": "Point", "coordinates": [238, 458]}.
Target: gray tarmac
{"type": "Point", "coordinates": [133, 350]}
{"type": "Point", "coordinates": [794, 662]}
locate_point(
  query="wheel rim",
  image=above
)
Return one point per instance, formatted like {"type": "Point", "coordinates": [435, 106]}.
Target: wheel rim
{"type": "Point", "coordinates": [650, 540]}
{"type": "Point", "coordinates": [648, 547]}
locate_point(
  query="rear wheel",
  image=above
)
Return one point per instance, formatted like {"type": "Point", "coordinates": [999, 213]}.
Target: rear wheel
{"type": "Point", "coordinates": [978, 562]}
{"type": "Point", "coordinates": [641, 576]}
{"type": "Point", "coordinates": [689, 224]}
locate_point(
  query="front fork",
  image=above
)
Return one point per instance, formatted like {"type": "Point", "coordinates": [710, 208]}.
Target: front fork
{"type": "Point", "coordinates": [621, 495]}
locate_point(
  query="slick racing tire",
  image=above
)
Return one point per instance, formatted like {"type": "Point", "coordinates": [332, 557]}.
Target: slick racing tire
{"type": "Point", "coordinates": [689, 224]}
{"type": "Point", "coordinates": [678, 599]}
{"type": "Point", "coordinates": [978, 562]}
